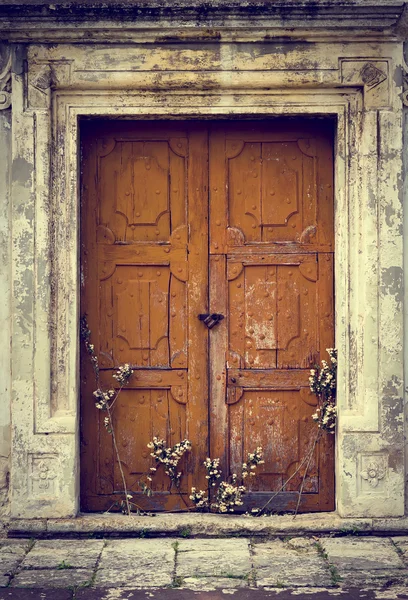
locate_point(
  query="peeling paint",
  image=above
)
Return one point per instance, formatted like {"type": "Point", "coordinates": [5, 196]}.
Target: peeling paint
{"type": "Point", "coordinates": [392, 282]}
{"type": "Point", "coordinates": [21, 171]}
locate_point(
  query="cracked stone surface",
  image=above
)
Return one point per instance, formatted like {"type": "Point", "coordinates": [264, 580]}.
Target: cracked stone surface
{"type": "Point", "coordinates": [154, 560]}
{"type": "Point", "coordinates": [212, 583]}
{"type": "Point", "coordinates": [287, 564]}
{"type": "Point", "coordinates": [12, 553]}
{"type": "Point", "coordinates": [365, 561]}
{"type": "Point", "coordinates": [213, 558]}
{"type": "Point", "coordinates": [214, 545]}
{"type": "Point", "coordinates": [349, 553]}
{"type": "Point", "coordinates": [373, 578]}
{"type": "Point", "coordinates": [213, 564]}
{"type": "Point", "coordinates": [144, 575]}
{"type": "Point", "coordinates": [50, 554]}
{"type": "Point", "coordinates": [401, 543]}
{"type": "Point", "coordinates": [52, 578]}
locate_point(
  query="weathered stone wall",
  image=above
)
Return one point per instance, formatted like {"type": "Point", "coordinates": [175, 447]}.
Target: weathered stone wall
{"type": "Point", "coordinates": [5, 307]}
{"type": "Point", "coordinates": [158, 66]}
{"type": "Point", "coordinates": [405, 276]}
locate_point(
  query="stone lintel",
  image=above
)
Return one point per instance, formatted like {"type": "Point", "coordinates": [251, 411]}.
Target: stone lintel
{"type": "Point", "coordinates": [122, 20]}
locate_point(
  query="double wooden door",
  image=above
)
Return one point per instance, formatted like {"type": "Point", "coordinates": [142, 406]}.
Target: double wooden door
{"type": "Point", "coordinates": [181, 219]}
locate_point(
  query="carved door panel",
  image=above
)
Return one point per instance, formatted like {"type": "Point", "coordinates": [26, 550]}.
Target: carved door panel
{"type": "Point", "coordinates": [144, 257]}
{"type": "Point", "coordinates": [271, 273]}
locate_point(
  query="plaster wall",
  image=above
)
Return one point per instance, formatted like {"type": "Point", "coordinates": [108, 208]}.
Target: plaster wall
{"type": "Point", "coordinates": [359, 82]}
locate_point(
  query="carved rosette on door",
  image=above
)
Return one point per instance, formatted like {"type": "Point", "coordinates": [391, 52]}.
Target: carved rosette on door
{"type": "Point", "coordinates": [247, 311]}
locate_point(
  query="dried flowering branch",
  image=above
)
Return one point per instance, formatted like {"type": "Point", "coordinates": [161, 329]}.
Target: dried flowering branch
{"type": "Point", "coordinates": [199, 498]}
{"type": "Point", "coordinates": [323, 383]}
{"type": "Point", "coordinates": [169, 458]}
{"type": "Point", "coordinates": [105, 400]}
{"type": "Point", "coordinates": [228, 495]}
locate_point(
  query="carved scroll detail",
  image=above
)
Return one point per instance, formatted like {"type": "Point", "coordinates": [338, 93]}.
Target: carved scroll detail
{"type": "Point", "coordinates": [307, 147]}
{"type": "Point", "coordinates": [235, 237]}
{"type": "Point", "coordinates": [5, 76]}
{"type": "Point", "coordinates": [234, 394]}
{"type": "Point", "coordinates": [233, 148]}
{"type": "Point", "coordinates": [308, 397]}
{"type": "Point", "coordinates": [235, 360]}
{"type": "Point", "coordinates": [308, 233]}
{"type": "Point", "coordinates": [371, 76]}
{"type": "Point", "coordinates": [234, 270]}
{"type": "Point", "coordinates": [179, 393]}
{"type": "Point", "coordinates": [309, 270]}
{"type": "Point", "coordinates": [179, 270]}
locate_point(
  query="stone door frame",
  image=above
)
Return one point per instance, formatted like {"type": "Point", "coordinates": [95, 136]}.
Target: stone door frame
{"type": "Point", "coordinates": [47, 105]}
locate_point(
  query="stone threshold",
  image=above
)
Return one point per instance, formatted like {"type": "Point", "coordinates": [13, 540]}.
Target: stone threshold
{"type": "Point", "coordinates": [203, 525]}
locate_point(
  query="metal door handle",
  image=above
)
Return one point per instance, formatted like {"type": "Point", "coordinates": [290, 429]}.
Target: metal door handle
{"type": "Point", "coordinates": [211, 319]}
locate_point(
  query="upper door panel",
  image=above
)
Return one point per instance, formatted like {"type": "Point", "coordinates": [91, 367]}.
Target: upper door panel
{"type": "Point", "coordinates": [273, 186]}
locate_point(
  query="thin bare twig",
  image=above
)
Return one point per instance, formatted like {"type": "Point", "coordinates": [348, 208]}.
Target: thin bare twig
{"type": "Point", "coordinates": [317, 438]}
{"type": "Point", "coordinates": [118, 459]}
{"type": "Point", "coordinates": [303, 461]}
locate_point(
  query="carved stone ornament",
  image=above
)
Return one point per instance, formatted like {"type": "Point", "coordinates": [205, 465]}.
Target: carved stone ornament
{"type": "Point", "coordinates": [373, 474]}
{"type": "Point", "coordinates": [5, 76]}
{"type": "Point", "coordinates": [43, 474]}
{"type": "Point", "coordinates": [371, 76]}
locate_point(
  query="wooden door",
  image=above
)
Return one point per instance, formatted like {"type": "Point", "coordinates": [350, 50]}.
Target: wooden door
{"type": "Point", "coordinates": [149, 269]}
{"type": "Point", "coordinates": [271, 272]}
{"type": "Point", "coordinates": [145, 279]}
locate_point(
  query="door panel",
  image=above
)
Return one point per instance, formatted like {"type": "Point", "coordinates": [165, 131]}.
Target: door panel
{"type": "Point", "coordinates": [155, 255]}
{"type": "Point", "coordinates": [274, 310]}
{"type": "Point", "coordinates": [271, 223]}
{"type": "Point", "coordinates": [145, 279]}
{"type": "Point", "coordinates": [272, 185]}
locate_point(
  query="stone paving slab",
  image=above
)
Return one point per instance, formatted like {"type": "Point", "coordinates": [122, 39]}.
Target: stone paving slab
{"type": "Point", "coordinates": [136, 563]}
{"type": "Point", "coordinates": [350, 553]}
{"type": "Point", "coordinates": [401, 543]}
{"type": "Point", "coordinates": [140, 576]}
{"type": "Point", "coordinates": [9, 563]}
{"type": "Point", "coordinates": [278, 563]}
{"type": "Point", "coordinates": [213, 583]}
{"type": "Point", "coordinates": [50, 554]}
{"type": "Point", "coordinates": [214, 564]}
{"type": "Point", "coordinates": [11, 543]}
{"type": "Point", "coordinates": [50, 578]}
{"type": "Point", "coordinates": [135, 547]}
{"type": "Point", "coordinates": [12, 553]}
{"type": "Point", "coordinates": [375, 578]}
{"type": "Point", "coordinates": [213, 545]}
